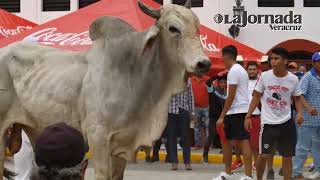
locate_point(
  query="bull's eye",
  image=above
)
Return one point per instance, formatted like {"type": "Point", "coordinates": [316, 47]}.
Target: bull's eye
{"type": "Point", "coordinates": [174, 30]}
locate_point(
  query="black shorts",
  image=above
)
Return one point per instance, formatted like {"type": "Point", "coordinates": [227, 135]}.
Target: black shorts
{"type": "Point", "coordinates": [282, 137]}
{"type": "Point", "coordinates": [234, 127]}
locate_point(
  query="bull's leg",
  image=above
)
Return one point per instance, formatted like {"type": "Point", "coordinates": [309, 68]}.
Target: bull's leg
{"type": "Point", "coordinates": [2, 152]}
{"type": "Point", "coordinates": [99, 144]}
{"type": "Point", "coordinates": [118, 167]}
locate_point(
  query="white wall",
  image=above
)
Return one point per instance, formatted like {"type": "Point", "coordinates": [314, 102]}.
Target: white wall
{"type": "Point", "coordinates": [258, 36]}
{"type": "Point", "coordinates": [262, 37]}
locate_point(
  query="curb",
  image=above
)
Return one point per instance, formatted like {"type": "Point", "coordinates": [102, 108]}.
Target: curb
{"type": "Point", "coordinates": [196, 158]}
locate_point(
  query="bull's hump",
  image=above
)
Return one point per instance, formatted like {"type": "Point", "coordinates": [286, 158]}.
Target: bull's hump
{"type": "Point", "coordinates": [109, 27]}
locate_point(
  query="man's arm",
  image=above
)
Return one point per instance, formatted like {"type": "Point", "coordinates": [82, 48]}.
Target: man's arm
{"type": "Point", "coordinates": [191, 98]}
{"type": "Point", "coordinates": [312, 111]}
{"type": "Point", "coordinates": [254, 102]}
{"type": "Point", "coordinates": [298, 104]}
{"type": "Point", "coordinates": [253, 105]}
{"type": "Point", "coordinates": [231, 94]}
{"type": "Point", "coordinates": [209, 81]}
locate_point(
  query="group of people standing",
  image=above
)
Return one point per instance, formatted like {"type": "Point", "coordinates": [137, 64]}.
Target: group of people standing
{"type": "Point", "coordinates": [255, 113]}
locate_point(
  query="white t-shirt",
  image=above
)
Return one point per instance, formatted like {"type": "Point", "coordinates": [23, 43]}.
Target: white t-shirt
{"type": "Point", "coordinates": [239, 76]}
{"type": "Point", "coordinates": [276, 98]}
{"type": "Point", "coordinates": [251, 86]}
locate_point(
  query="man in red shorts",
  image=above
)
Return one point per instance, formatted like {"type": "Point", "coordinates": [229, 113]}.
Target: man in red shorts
{"type": "Point", "coordinates": [252, 69]}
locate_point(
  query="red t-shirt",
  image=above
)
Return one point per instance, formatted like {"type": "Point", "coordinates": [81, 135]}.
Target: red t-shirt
{"type": "Point", "coordinates": [199, 87]}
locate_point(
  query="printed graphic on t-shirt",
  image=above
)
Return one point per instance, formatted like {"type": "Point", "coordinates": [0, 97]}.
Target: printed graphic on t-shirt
{"type": "Point", "coordinates": [275, 101]}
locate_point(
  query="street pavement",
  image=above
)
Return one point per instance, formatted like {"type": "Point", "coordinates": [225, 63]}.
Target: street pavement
{"type": "Point", "coordinates": [161, 171]}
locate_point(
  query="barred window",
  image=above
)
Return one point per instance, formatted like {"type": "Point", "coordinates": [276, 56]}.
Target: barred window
{"type": "Point", "coordinates": [56, 5]}
{"type": "Point", "coordinates": [10, 5]}
{"type": "Point", "coordinates": [194, 3]}
{"type": "Point", "coordinates": [84, 3]}
{"type": "Point", "coordinates": [311, 3]}
{"type": "Point", "coordinates": [275, 3]}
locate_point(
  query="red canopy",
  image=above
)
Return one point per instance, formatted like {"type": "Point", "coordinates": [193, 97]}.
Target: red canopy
{"type": "Point", "coordinates": [11, 24]}
{"type": "Point", "coordinates": [71, 31]}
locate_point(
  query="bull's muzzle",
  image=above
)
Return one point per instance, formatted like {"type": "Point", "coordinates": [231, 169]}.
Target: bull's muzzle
{"type": "Point", "coordinates": [203, 66]}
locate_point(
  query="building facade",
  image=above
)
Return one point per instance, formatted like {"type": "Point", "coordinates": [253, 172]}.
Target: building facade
{"type": "Point", "coordinates": [266, 23]}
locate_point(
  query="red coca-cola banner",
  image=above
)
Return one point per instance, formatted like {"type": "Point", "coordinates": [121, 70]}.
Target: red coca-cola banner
{"type": "Point", "coordinates": [71, 31]}
{"type": "Point", "coordinates": [11, 25]}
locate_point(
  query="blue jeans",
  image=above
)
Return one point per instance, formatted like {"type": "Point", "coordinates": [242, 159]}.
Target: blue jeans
{"type": "Point", "coordinates": [308, 140]}
{"type": "Point", "coordinates": [202, 115]}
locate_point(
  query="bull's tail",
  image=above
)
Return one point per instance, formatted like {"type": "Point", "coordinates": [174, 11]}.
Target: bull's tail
{"type": "Point", "coordinates": [9, 174]}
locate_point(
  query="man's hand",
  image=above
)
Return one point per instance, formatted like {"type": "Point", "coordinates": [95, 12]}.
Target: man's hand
{"type": "Point", "coordinates": [248, 123]}
{"type": "Point", "coordinates": [194, 118]}
{"type": "Point", "coordinates": [300, 118]}
{"type": "Point", "coordinates": [220, 121]}
{"type": "Point", "coordinates": [313, 111]}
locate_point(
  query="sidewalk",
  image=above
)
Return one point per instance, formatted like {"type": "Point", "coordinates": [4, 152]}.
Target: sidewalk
{"type": "Point", "coordinates": [214, 157]}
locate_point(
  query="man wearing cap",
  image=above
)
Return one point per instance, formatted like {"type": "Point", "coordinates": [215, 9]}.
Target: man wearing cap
{"type": "Point", "coordinates": [309, 132]}
{"type": "Point", "coordinates": [293, 67]}
{"type": "Point", "coordinates": [265, 63]}
{"type": "Point", "coordinates": [60, 154]}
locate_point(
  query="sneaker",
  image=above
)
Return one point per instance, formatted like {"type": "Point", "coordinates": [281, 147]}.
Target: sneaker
{"type": "Point", "coordinates": [298, 177]}
{"type": "Point", "coordinates": [315, 175]}
{"type": "Point", "coordinates": [235, 165]}
{"type": "Point", "coordinates": [311, 167]}
{"type": "Point", "coordinates": [246, 178]}
{"type": "Point", "coordinates": [270, 174]}
{"type": "Point", "coordinates": [224, 176]}
{"type": "Point", "coordinates": [280, 172]}
{"type": "Point", "coordinates": [188, 167]}
{"type": "Point", "coordinates": [205, 160]}
{"type": "Point", "coordinates": [174, 166]}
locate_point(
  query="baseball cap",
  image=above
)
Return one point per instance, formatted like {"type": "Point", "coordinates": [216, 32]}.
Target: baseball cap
{"type": "Point", "coordinates": [293, 64]}
{"type": "Point", "coordinates": [239, 58]}
{"type": "Point", "coordinates": [264, 59]}
{"type": "Point", "coordinates": [60, 146]}
{"type": "Point", "coordinates": [316, 56]}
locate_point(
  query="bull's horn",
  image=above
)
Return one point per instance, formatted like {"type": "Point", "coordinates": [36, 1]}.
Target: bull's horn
{"type": "Point", "coordinates": [188, 4]}
{"type": "Point", "coordinates": [155, 13]}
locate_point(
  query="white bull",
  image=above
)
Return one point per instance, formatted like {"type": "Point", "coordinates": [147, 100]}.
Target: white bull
{"type": "Point", "coordinates": [117, 93]}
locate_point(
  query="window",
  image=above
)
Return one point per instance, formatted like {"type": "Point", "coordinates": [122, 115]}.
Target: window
{"type": "Point", "coordinates": [311, 3]}
{"type": "Point", "coordinates": [275, 3]}
{"type": "Point", "coordinates": [10, 5]}
{"type": "Point", "coordinates": [56, 5]}
{"type": "Point", "coordinates": [194, 3]}
{"type": "Point", "coordinates": [84, 3]}
{"type": "Point", "coordinates": [159, 1]}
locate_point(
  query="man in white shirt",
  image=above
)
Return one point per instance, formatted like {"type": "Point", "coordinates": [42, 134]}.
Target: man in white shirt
{"type": "Point", "coordinates": [275, 90]}
{"type": "Point", "coordinates": [233, 114]}
{"type": "Point", "coordinates": [252, 69]}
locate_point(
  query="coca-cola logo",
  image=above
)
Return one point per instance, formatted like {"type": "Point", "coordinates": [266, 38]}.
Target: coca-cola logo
{"type": "Point", "coordinates": [11, 32]}
{"type": "Point", "coordinates": [208, 46]}
{"type": "Point", "coordinates": [51, 36]}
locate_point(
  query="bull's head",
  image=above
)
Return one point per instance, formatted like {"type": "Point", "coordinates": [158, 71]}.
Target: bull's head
{"type": "Point", "coordinates": [178, 30]}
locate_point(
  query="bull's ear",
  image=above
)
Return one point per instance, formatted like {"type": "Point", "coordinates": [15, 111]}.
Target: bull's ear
{"type": "Point", "coordinates": [150, 39]}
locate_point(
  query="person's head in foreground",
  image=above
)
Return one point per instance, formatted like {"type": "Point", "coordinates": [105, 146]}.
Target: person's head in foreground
{"type": "Point", "coordinates": [229, 56]}
{"type": "Point", "coordinates": [302, 69]}
{"type": "Point", "coordinates": [252, 69]}
{"type": "Point", "coordinates": [279, 59]}
{"type": "Point", "coordinates": [60, 154]}
{"type": "Point", "coordinates": [293, 67]}
{"type": "Point", "coordinates": [222, 82]}
{"type": "Point", "coordinates": [316, 63]}
{"type": "Point", "coordinates": [265, 63]}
